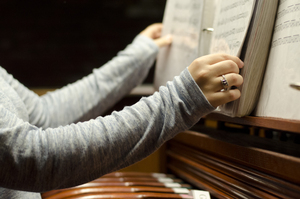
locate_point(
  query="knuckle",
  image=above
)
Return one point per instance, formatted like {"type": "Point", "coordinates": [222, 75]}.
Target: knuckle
{"type": "Point", "coordinates": [203, 71]}
{"type": "Point", "coordinates": [199, 61]}
{"type": "Point", "coordinates": [204, 74]}
{"type": "Point", "coordinates": [225, 56]}
{"type": "Point", "coordinates": [232, 65]}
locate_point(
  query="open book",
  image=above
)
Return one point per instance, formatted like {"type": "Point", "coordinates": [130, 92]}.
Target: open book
{"type": "Point", "coordinates": [242, 28]}
{"type": "Point", "coordinates": [278, 99]}
{"type": "Point", "coordinates": [253, 50]}
{"type": "Point", "coordinates": [185, 20]}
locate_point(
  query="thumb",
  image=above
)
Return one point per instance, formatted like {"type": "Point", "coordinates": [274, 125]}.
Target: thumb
{"type": "Point", "coordinates": [163, 41]}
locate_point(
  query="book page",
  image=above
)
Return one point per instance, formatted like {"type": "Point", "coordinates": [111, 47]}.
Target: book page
{"type": "Point", "coordinates": [278, 99]}
{"type": "Point", "coordinates": [231, 24]}
{"type": "Point", "coordinates": [182, 19]}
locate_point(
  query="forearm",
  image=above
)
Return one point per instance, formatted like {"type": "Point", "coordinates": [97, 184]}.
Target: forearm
{"type": "Point", "coordinates": [94, 94]}
{"type": "Point", "coordinates": [70, 155]}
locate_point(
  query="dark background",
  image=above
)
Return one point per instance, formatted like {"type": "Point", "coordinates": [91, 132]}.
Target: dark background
{"type": "Point", "coordinates": [53, 43]}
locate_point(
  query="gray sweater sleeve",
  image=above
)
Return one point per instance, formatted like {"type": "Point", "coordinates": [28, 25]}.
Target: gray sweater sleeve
{"type": "Point", "coordinates": [93, 94]}
{"type": "Point", "coordinates": [38, 160]}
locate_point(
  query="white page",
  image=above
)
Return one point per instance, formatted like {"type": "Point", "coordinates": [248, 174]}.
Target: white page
{"type": "Point", "coordinates": [200, 194]}
{"type": "Point", "coordinates": [277, 98]}
{"type": "Point", "coordinates": [230, 27]}
{"type": "Point", "coordinates": [182, 19]}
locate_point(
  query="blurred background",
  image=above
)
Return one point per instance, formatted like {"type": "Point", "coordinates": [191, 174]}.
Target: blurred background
{"type": "Point", "coordinates": [49, 44]}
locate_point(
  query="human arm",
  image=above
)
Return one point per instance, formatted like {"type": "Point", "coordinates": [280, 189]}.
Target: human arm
{"type": "Point", "coordinates": [39, 160]}
{"type": "Point", "coordinates": [34, 159]}
{"type": "Point", "coordinates": [94, 94]}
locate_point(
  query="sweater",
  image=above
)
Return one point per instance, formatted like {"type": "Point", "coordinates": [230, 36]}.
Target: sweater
{"type": "Point", "coordinates": [58, 140]}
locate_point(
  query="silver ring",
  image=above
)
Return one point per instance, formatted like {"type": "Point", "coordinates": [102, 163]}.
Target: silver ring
{"type": "Point", "coordinates": [224, 83]}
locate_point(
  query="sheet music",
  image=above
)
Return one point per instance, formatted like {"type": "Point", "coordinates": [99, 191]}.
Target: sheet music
{"type": "Point", "coordinates": [277, 98]}
{"type": "Point", "coordinates": [228, 37]}
{"type": "Point", "coordinates": [182, 19]}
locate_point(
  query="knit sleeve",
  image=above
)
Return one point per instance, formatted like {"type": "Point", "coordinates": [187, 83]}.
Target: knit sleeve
{"type": "Point", "coordinates": [34, 159]}
{"type": "Point", "coordinates": [94, 94]}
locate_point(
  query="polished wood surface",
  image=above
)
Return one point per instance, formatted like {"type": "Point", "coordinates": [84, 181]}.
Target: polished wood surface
{"type": "Point", "coordinates": [129, 179]}
{"type": "Point", "coordinates": [240, 150]}
{"type": "Point", "coordinates": [231, 168]}
{"type": "Point", "coordinates": [126, 185]}
{"type": "Point", "coordinates": [138, 174]}
{"type": "Point", "coordinates": [130, 195]}
{"type": "Point", "coordinates": [271, 123]}
{"type": "Point", "coordinates": [110, 189]}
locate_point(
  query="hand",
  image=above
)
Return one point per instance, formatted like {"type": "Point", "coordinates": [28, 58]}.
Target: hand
{"type": "Point", "coordinates": [207, 71]}
{"type": "Point", "coordinates": [154, 32]}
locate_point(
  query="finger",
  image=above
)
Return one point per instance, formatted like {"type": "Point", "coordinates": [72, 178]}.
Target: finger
{"type": "Point", "coordinates": [156, 30]}
{"type": "Point", "coordinates": [220, 98]}
{"type": "Point", "coordinates": [215, 58]}
{"type": "Point", "coordinates": [153, 31]}
{"type": "Point", "coordinates": [163, 41]}
{"type": "Point", "coordinates": [225, 67]}
{"type": "Point", "coordinates": [232, 80]}
{"type": "Point", "coordinates": [157, 34]}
